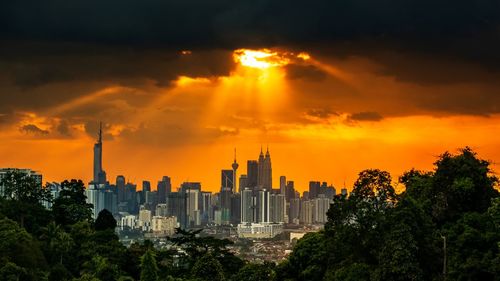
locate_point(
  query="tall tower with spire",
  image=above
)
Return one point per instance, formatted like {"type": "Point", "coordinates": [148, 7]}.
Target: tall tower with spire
{"type": "Point", "coordinates": [99, 173]}
{"type": "Point", "coordinates": [235, 168]}
{"type": "Point", "coordinates": [265, 170]}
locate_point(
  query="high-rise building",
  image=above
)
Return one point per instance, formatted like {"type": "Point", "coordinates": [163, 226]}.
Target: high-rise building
{"type": "Point", "coordinates": [277, 208]}
{"type": "Point", "coordinates": [321, 206]}
{"type": "Point", "coordinates": [190, 185]}
{"type": "Point", "coordinates": [146, 186]}
{"type": "Point", "coordinates": [164, 186]}
{"type": "Point", "coordinates": [243, 183]}
{"type": "Point", "coordinates": [294, 213]}
{"type": "Point", "coordinates": [235, 208]}
{"type": "Point", "coordinates": [247, 206]}
{"type": "Point", "coordinates": [225, 204]}
{"type": "Point", "coordinates": [262, 206]}
{"type": "Point", "coordinates": [206, 207]}
{"type": "Point", "coordinates": [252, 174]}
{"type": "Point", "coordinates": [290, 191]}
{"type": "Point", "coordinates": [192, 207]}
{"type": "Point", "coordinates": [283, 185]}
{"type": "Point", "coordinates": [314, 189]}
{"type": "Point", "coordinates": [120, 188]}
{"type": "Point", "coordinates": [99, 173]}
{"type": "Point", "coordinates": [176, 205]}
{"type": "Point", "coordinates": [265, 171]}
{"type": "Point", "coordinates": [227, 179]}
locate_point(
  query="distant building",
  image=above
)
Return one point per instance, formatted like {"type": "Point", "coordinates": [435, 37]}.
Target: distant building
{"type": "Point", "coordinates": [343, 191]}
{"type": "Point", "coordinates": [243, 183]}
{"type": "Point", "coordinates": [120, 188]}
{"type": "Point", "coordinates": [265, 171]}
{"type": "Point", "coordinates": [128, 221]}
{"type": "Point", "coordinates": [262, 206]}
{"type": "Point", "coordinates": [252, 173]}
{"type": "Point", "coordinates": [163, 226]}
{"type": "Point", "coordinates": [163, 188]}
{"type": "Point", "coordinates": [294, 213]}
{"type": "Point", "coordinates": [247, 206]}
{"type": "Point", "coordinates": [99, 173]}
{"type": "Point", "coordinates": [161, 210]}
{"type": "Point", "coordinates": [145, 217]}
{"type": "Point", "coordinates": [54, 188]}
{"type": "Point", "coordinates": [283, 185]}
{"type": "Point", "coordinates": [146, 186]}
{"type": "Point", "coordinates": [259, 230]}
{"type": "Point", "coordinates": [176, 204]}
{"type": "Point", "coordinates": [277, 208]}
{"type": "Point", "coordinates": [227, 179]}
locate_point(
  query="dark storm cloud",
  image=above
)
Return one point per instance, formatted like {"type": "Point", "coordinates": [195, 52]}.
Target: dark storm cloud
{"type": "Point", "coordinates": [41, 75]}
{"type": "Point", "coordinates": [33, 129]}
{"type": "Point", "coordinates": [322, 113]}
{"type": "Point", "coordinates": [365, 116]}
{"type": "Point", "coordinates": [45, 44]}
{"type": "Point", "coordinates": [418, 24]}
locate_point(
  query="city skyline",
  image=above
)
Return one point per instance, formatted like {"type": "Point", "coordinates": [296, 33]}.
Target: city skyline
{"type": "Point", "coordinates": [330, 95]}
{"type": "Point", "coordinates": [211, 180]}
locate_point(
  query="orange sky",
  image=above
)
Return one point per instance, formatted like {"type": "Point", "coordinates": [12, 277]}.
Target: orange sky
{"type": "Point", "coordinates": [323, 118]}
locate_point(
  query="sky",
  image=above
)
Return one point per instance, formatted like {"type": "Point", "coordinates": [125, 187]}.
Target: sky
{"type": "Point", "coordinates": [331, 87]}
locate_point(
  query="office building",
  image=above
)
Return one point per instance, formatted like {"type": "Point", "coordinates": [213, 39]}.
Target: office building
{"type": "Point", "coordinates": [264, 171]}
{"type": "Point", "coordinates": [163, 188]}
{"type": "Point", "coordinates": [252, 174]}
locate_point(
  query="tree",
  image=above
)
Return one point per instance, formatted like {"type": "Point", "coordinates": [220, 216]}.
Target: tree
{"type": "Point", "coordinates": [58, 242]}
{"type": "Point", "coordinates": [24, 195]}
{"type": "Point", "coordinates": [207, 268]}
{"type": "Point", "coordinates": [256, 272]}
{"type": "Point", "coordinates": [197, 247]}
{"type": "Point", "coordinates": [308, 259]}
{"type": "Point", "coordinates": [11, 272]}
{"type": "Point", "coordinates": [100, 268]}
{"type": "Point", "coordinates": [105, 221]}
{"type": "Point", "coordinates": [71, 205]}
{"type": "Point", "coordinates": [149, 269]}
{"type": "Point", "coordinates": [18, 247]}
{"type": "Point", "coordinates": [461, 183]}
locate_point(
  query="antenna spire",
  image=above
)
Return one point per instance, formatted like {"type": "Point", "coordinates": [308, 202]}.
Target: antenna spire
{"type": "Point", "coordinates": [100, 131]}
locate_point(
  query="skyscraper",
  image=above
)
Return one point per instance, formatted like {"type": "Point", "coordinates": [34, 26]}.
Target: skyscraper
{"type": "Point", "coordinates": [265, 171]}
{"type": "Point", "coordinates": [277, 208]}
{"type": "Point", "coordinates": [262, 206]}
{"type": "Point", "coordinates": [164, 187]}
{"type": "Point", "coordinates": [246, 206]}
{"type": "Point", "coordinates": [99, 173]}
{"type": "Point", "coordinates": [283, 185]}
{"type": "Point", "coordinates": [227, 179]}
{"type": "Point", "coordinates": [243, 183]}
{"type": "Point", "coordinates": [120, 187]}
{"type": "Point", "coordinates": [252, 174]}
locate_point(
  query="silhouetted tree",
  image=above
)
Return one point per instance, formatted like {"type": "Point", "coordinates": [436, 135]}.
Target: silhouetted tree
{"type": "Point", "coordinates": [208, 268]}
{"type": "Point", "coordinates": [149, 269]}
{"type": "Point", "coordinates": [71, 205]}
{"type": "Point", "coordinates": [23, 197]}
{"type": "Point", "coordinates": [105, 221]}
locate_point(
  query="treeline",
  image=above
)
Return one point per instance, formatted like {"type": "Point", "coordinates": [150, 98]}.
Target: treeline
{"type": "Point", "coordinates": [444, 226]}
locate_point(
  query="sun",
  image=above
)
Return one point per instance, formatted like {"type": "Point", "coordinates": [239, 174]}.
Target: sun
{"type": "Point", "coordinates": [261, 59]}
